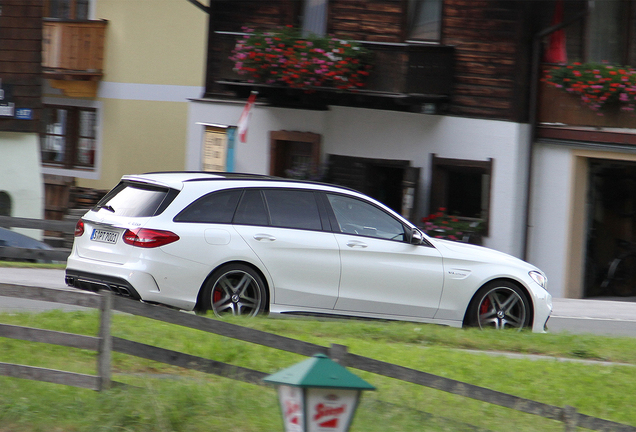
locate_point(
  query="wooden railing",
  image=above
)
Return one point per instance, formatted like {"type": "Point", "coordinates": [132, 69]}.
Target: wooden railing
{"type": "Point", "coordinates": [73, 49]}
{"type": "Point", "coordinates": [104, 343]}
{"type": "Point", "coordinates": [405, 73]}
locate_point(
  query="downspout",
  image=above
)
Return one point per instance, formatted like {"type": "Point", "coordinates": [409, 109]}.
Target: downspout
{"type": "Point", "coordinates": [533, 108]}
{"type": "Point", "coordinates": [201, 6]}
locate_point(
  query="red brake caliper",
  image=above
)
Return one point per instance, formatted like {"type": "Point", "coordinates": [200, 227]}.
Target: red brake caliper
{"type": "Point", "coordinates": [485, 305]}
{"type": "Point", "coordinates": [216, 296]}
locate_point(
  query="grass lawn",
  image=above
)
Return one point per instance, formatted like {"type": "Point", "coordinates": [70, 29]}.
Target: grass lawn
{"type": "Point", "coordinates": [167, 398]}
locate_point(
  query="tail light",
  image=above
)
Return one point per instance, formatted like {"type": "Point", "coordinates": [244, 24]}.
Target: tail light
{"type": "Point", "coordinates": [79, 228]}
{"type": "Point", "coordinates": [149, 238]}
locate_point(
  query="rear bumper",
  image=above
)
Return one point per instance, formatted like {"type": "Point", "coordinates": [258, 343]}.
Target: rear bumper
{"type": "Point", "coordinates": [95, 282]}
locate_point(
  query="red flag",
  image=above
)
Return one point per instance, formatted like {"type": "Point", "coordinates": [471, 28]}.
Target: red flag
{"type": "Point", "coordinates": [556, 51]}
{"type": "Point", "coordinates": [245, 116]}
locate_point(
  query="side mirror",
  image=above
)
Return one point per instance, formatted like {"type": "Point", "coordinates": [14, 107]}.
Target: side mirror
{"type": "Point", "coordinates": [416, 237]}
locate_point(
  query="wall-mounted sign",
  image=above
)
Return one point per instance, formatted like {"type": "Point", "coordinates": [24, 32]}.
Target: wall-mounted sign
{"type": "Point", "coordinates": [218, 149]}
{"type": "Point", "coordinates": [24, 113]}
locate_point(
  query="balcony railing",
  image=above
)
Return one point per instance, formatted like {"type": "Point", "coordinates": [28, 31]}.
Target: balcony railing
{"type": "Point", "coordinates": [73, 50]}
{"type": "Point", "coordinates": [404, 76]}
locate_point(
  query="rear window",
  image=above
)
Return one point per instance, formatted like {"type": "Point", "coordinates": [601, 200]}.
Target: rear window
{"type": "Point", "coordinates": [136, 200]}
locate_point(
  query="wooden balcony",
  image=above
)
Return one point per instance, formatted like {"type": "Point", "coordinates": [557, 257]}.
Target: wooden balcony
{"type": "Point", "coordinates": [73, 50]}
{"type": "Point", "coordinates": [404, 77]}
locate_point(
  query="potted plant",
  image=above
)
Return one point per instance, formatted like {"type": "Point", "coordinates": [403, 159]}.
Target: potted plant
{"type": "Point", "coordinates": [444, 226]}
{"type": "Point", "coordinates": [596, 84]}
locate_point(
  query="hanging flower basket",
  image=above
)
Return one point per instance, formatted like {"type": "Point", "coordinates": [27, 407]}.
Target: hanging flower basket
{"type": "Point", "coordinates": [283, 57]}
{"type": "Point", "coordinates": [596, 84]}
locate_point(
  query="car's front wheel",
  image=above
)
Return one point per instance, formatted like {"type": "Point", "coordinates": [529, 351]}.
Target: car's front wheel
{"type": "Point", "coordinates": [234, 289]}
{"type": "Point", "coordinates": [499, 305]}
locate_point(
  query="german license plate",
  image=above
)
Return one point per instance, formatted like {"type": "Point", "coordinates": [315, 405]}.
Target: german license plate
{"type": "Point", "coordinates": [104, 236]}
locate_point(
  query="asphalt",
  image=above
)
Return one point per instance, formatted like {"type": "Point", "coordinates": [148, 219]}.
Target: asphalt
{"type": "Point", "coordinates": [611, 316]}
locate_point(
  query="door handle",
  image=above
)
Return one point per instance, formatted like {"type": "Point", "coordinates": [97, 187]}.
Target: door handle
{"type": "Point", "coordinates": [356, 244]}
{"type": "Point", "coordinates": [264, 237]}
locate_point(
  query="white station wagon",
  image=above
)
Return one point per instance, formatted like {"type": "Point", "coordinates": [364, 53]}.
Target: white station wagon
{"type": "Point", "coordinates": [247, 244]}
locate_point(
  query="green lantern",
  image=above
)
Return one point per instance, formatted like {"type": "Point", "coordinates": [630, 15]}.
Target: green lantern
{"type": "Point", "coordinates": [318, 395]}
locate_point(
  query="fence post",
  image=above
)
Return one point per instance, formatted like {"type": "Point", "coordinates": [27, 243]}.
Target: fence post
{"type": "Point", "coordinates": [570, 418]}
{"type": "Point", "coordinates": [105, 341]}
{"type": "Point", "coordinates": [338, 353]}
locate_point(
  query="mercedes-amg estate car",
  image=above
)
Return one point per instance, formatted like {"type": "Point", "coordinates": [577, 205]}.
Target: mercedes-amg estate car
{"type": "Point", "coordinates": [248, 244]}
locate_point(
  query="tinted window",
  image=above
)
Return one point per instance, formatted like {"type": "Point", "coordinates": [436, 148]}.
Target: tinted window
{"type": "Point", "coordinates": [216, 207]}
{"type": "Point", "coordinates": [358, 217]}
{"type": "Point", "coordinates": [136, 200]}
{"type": "Point", "coordinates": [293, 209]}
{"type": "Point", "coordinates": [251, 210]}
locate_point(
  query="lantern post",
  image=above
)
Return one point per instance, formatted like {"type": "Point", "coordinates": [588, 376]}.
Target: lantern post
{"type": "Point", "coordinates": [318, 395]}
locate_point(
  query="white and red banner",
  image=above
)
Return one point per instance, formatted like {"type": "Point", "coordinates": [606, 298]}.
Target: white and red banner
{"type": "Point", "coordinates": [245, 117]}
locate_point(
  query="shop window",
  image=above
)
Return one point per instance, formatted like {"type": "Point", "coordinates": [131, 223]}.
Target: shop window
{"type": "Point", "coordinates": [462, 188]}
{"type": "Point", "coordinates": [295, 155]}
{"type": "Point", "coordinates": [66, 9]}
{"type": "Point", "coordinates": [68, 139]}
{"type": "Point", "coordinates": [425, 20]}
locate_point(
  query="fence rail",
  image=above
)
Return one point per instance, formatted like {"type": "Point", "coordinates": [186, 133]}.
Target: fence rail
{"type": "Point", "coordinates": [104, 344]}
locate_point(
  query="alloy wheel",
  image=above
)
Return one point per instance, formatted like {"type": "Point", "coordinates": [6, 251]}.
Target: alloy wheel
{"type": "Point", "coordinates": [502, 308]}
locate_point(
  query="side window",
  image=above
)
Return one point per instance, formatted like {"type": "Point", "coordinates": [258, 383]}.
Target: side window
{"type": "Point", "coordinates": [215, 207]}
{"type": "Point", "coordinates": [251, 210]}
{"type": "Point", "coordinates": [358, 217]}
{"type": "Point", "coordinates": [293, 209]}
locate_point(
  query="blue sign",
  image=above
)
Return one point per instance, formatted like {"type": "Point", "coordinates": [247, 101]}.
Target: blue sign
{"type": "Point", "coordinates": [24, 113]}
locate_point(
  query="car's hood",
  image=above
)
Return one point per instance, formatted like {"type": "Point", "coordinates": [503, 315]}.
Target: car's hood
{"type": "Point", "coordinates": [452, 250]}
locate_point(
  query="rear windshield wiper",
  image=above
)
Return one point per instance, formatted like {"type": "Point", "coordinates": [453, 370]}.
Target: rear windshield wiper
{"type": "Point", "coordinates": [106, 207]}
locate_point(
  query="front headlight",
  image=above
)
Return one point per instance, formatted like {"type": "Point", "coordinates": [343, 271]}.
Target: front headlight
{"type": "Point", "coordinates": [539, 278]}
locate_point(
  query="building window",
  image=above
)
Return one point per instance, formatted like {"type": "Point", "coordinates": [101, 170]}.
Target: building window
{"type": "Point", "coordinates": [425, 20]}
{"type": "Point", "coordinates": [68, 138]}
{"type": "Point", "coordinates": [605, 33]}
{"type": "Point", "coordinates": [314, 17]}
{"type": "Point", "coordinates": [610, 32]}
{"type": "Point", "coordinates": [295, 155]}
{"type": "Point", "coordinates": [462, 187]}
{"type": "Point", "coordinates": [66, 9]}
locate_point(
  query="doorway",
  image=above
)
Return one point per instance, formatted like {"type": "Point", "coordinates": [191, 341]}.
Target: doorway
{"type": "Point", "coordinates": [611, 216]}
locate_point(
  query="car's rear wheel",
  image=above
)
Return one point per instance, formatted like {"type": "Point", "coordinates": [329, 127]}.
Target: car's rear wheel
{"type": "Point", "coordinates": [499, 305]}
{"type": "Point", "coordinates": [234, 289]}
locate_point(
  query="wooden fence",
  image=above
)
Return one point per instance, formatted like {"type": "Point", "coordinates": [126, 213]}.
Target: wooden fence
{"type": "Point", "coordinates": [104, 344]}
{"type": "Point", "coordinates": [55, 254]}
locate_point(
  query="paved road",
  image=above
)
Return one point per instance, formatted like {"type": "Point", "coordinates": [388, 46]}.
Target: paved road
{"type": "Point", "coordinates": [607, 316]}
